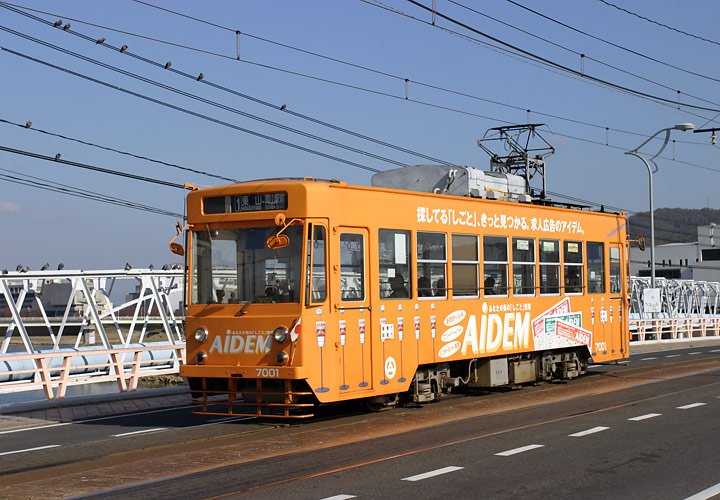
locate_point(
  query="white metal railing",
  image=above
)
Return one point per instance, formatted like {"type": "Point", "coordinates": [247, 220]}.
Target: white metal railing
{"type": "Point", "coordinates": [66, 312]}
{"type": "Point", "coordinates": [54, 372]}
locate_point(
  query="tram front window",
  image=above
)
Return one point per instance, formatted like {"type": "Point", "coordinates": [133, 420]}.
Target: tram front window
{"type": "Point", "coordinates": [234, 266]}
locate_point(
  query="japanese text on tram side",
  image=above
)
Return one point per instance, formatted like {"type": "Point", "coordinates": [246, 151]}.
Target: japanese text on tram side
{"type": "Point", "coordinates": [501, 221]}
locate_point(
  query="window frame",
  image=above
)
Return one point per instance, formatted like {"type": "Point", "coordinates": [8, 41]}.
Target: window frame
{"type": "Point", "coordinates": [526, 264]}
{"type": "Point", "coordinates": [362, 268]}
{"type": "Point", "coordinates": [603, 267]}
{"type": "Point", "coordinates": [406, 266]}
{"type": "Point", "coordinates": [310, 268]}
{"type": "Point", "coordinates": [460, 262]}
{"type": "Point", "coordinates": [432, 262]}
{"type": "Point", "coordinates": [504, 263]}
{"type": "Point", "coordinates": [577, 266]}
{"type": "Point", "coordinates": [549, 263]}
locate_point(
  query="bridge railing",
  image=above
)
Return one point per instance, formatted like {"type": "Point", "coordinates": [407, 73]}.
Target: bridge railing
{"type": "Point", "coordinates": [54, 372]}
{"type": "Point", "coordinates": [50, 322]}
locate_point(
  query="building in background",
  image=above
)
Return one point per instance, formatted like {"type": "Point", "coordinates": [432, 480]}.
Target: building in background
{"type": "Point", "coordinates": [699, 260]}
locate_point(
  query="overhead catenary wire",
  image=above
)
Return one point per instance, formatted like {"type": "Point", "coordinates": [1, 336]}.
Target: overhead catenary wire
{"type": "Point", "coordinates": [45, 184]}
{"type": "Point", "coordinates": [223, 88]}
{"type": "Point", "coordinates": [233, 126]}
{"type": "Point", "coordinates": [86, 166]}
{"type": "Point", "coordinates": [187, 111]}
{"type": "Point", "coordinates": [350, 86]}
{"type": "Point", "coordinates": [613, 44]}
{"type": "Point", "coordinates": [561, 66]}
{"type": "Point", "coordinates": [106, 148]}
{"type": "Point", "coordinates": [583, 139]}
{"type": "Point", "coordinates": [659, 23]}
{"type": "Point", "coordinates": [203, 99]}
{"type": "Point", "coordinates": [398, 77]}
{"type": "Point", "coordinates": [590, 58]}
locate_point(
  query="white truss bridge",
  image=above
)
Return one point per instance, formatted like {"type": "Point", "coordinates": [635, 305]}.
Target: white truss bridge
{"type": "Point", "coordinates": [62, 328]}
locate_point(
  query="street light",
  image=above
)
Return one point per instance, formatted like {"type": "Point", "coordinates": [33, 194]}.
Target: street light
{"type": "Point", "coordinates": [634, 152]}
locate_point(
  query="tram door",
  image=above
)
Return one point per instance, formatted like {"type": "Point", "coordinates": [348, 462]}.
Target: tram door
{"type": "Point", "coordinates": [350, 302]}
{"type": "Point", "coordinates": [617, 306]}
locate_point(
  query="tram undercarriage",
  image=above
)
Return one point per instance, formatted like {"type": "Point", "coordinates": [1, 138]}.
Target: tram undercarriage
{"type": "Point", "coordinates": [432, 382]}
{"type": "Point", "coordinates": [293, 398]}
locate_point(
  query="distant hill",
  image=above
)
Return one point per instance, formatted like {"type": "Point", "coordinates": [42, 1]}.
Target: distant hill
{"type": "Point", "coordinates": [672, 225]}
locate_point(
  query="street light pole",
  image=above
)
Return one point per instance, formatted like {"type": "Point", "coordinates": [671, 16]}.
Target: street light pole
{"type": "Point", "coordinates": [634, 152]}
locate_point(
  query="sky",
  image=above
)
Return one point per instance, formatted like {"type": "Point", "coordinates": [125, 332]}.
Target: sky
{"type": "Point", "coordinates": [343, 63]}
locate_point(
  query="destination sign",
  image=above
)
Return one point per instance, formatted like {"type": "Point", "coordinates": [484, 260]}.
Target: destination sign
{"type": "Point", "coordinates": [258, 202]}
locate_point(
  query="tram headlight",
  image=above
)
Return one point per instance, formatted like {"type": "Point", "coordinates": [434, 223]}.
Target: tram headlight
{"type": "Point", "coordinates": [201, 334]}
{"type": "Point", "coordinates": [280, 334]}
{"type": "Point", "coordinates": [201, 356]}
{"type": "Point", "coordinates": [281, 358]}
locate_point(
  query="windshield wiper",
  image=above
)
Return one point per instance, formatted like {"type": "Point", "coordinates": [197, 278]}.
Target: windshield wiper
{"type": "Point", "coordinates": [246, 304]}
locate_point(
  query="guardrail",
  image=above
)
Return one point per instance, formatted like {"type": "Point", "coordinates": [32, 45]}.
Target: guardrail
{"type": "Point", "coordinates": [53, 372]}
{"type": "Point", "coordinates": [644, 329]}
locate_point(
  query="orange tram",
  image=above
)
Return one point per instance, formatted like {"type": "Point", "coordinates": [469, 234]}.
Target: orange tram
{"type": "Point", "coordinates": [304, 291]}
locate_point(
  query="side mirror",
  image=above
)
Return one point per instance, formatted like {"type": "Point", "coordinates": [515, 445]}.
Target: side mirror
{"type": "Point", "coordinates": [641, 243]}
{"type": "Point", "coordinates": [277, 241]}
{"type": "Point", "coordinates": [177, 248]}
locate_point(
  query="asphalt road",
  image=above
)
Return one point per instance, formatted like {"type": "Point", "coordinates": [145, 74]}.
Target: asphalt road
{"type": "Point", "coordinates": [653, 440]}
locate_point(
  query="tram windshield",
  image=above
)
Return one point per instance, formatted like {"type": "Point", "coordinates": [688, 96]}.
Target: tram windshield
{"type": "Point", "coordinates": [234, 266]}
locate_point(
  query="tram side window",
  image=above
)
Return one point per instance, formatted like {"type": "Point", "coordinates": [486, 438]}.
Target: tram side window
{"type": "Point", "coordinates": [465, 265]}
{"type": "Point", "coordinates": [573, 260]}
{"type": "Point", "coordinates": [549, 267]}
{"type": "Point", "coordinates": [352, 267]}
{"type": "Point", "coordinates": [596, 267]}
{"type": "Point", "coordinates": [523, 266]}
{"type": "Point", "coordinates": [495, 264]}
{"type": "Point", "coordinates": [316, 288]}
{"type": "Point", "coordinates": [431, 262]}
{"type": "Point", "coordinates": [615, 276]}
{"type": "Point", "coordinates": [394, 259]}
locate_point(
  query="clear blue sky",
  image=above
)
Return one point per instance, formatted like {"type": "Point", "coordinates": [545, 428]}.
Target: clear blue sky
{"type": "Point", "coordinates": [41, 226]}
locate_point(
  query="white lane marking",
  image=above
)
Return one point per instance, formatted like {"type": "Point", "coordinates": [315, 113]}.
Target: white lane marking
{"type": "Point", "coordinates": [519, 450]}
{"type": "Point", "coordinates": [593, 366]}
{"type": "Point", "coordinates": [693, 353]}
{"type": "Point", "coordinates": [705, 494]}
{"type": "Point", "coordinates": [339, 497]}
{"type": "Point", "coordinates": [588, 432]}
{"type": "Point", "coordinates": [673, 356]}
{"type": "Point", "coordinates": [139, 432]}
{"type": "Point", "coordinates": [691, 405]}
{"type": "Point", "coordinates": [30, 449]}
{"type": "Point", "coordinates": [96, 419]}
{"type": "Point", "coordinates": [224, 419]}
{"type": "Point", "coordinates": [645, 417]}
{"type": "Point", "coordinates": [432, 473]}
{"type": "Point", "coordinates": [648, 359]}
{"type": "Point", "coordinates": [715, 350]}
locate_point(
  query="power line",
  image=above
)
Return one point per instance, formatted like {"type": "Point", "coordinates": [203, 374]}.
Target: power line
{"type": "Point", "coordinates": [45, 184]}
{"type": "Point", "coordinates": [118, 173]}
{"type": "Point", "coordinates": [617, 46]}
{"type": "Point", "coordinates": [187, 111]}
{"type": "Point", "coordinates": [106, 148]}
{"type": "Point", "coordinates": [341, 84]}
{"type": "Point", "coordinates": [659, 24]}
{"type": "Point", "coordinates": [590, 58]}
{"type": "Point", "coordinates": [202, 99]}
{"type": "Point", "coordinates": [239, 94]}
{"type": "Point", "coordinates": [560, 66]}
{"type": "Point", "coordinates": [572, 137]}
